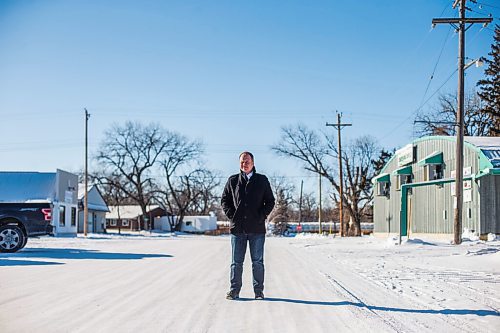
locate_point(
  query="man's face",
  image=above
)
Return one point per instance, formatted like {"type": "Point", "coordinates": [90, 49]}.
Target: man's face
{"type": "Point", "coordinates": [246, 163]}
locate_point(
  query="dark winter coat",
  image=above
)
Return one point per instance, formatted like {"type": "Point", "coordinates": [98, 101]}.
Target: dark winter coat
{"type": "Point", "coordinates": [247, 203]}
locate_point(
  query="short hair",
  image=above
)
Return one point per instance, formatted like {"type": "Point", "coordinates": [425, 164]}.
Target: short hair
{"type": "Point", "coordinates": [247, 153]}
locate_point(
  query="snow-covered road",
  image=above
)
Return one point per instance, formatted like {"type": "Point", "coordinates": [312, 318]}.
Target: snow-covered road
{"type": "Point", "coordinates": [313, 284]}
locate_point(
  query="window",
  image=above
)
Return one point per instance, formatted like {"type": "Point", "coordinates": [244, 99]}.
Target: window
{"type": "Point", "coordinates": [189, 223]}
{"type": "Point", "coordinates": [383, 181]}
{"type": "Point", "coordinates": [62, 216]}
{"type": "Point", "coordinates": [433, 166]}
{"type": "Point", "coordinates": [125, 223]}
{"type": "Point", "coordinates": [403, 179]}
{"type": "Point", "coordinates": [73, 216]}
{"type": "Point", "coordinates": [433, 172]}
{"type": "Point", "coordinates": [112, 222]}
{"type": "Point", "coordinates": [383, 188]}
{"type": "Point", "coordinates": [403, 176]}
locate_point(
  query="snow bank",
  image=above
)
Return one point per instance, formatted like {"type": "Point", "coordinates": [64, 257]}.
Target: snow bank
{"type": "Point", "coordinates": [470, 235]}
{"type": "Point", "coordinates": [492, 237]}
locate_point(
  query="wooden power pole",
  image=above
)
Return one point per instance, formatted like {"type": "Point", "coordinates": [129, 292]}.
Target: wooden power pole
{"type": "Point", "coordinates": [85, 198]}
{"type": "Point", "coordinates": [300, 202]}
{"type": "Point", "coordinates": [320, 207]}
{"type": "Point", "coordinates": [459, 25]}
{"type": "Point", "coordinates": [339, 126]}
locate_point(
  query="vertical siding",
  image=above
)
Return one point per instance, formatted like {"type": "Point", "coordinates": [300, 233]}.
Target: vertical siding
{"type": "Point", "coordinates": [432, 201]}
{"type": "Point", "coordinates": [386, 209]}
{"type": "Point", "coordinates": [489, 193]}
{"type": "Point", "coordinates": [428, 203]}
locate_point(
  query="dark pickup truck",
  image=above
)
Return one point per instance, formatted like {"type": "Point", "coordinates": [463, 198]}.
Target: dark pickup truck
{"type": "Point", "coordinates": [18, 221]}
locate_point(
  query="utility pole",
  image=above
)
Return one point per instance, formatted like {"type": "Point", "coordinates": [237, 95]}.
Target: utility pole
{"type": "Point", "coordinates": [85, 198]}
{"type": "Point", "coordinates": [320, 208]}
{"type": "Point", "coordinates": [459, 25]}
{"type": "Point", "coordinates": [300, 201]}
{"type": "Point", "coordinates": [339, 126]}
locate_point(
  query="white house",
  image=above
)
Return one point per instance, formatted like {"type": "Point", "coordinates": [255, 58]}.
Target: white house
{"type": "Point", "coordinates": [59, 188]}
{"type": "Point", "coordinates": [195, 224]}
{"type": "Point", "coordinates": [97, 209]}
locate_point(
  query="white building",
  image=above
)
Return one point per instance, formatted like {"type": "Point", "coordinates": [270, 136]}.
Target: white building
{"type": "Point", "coordinates": [59, 188]}
{"type": "Point", "coordinates": [195, 224]}
{"type": "Point", "coordinates": [97, 209]}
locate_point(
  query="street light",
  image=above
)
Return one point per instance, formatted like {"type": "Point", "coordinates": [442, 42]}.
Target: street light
{"type": "Point", "coordinates": [478, 62]}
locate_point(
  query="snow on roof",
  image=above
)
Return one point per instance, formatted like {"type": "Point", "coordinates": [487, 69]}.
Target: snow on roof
{"type": "Point", "coordinates": [488, 142]}
{"type": "Point", "coordinates": [127, 211]}
{"type": "Point", "coordinates": [489, 145]}
{"type": "Point", "coordinates": [95, 199]}
{"type": "Point", "coordinates": [27, 186]}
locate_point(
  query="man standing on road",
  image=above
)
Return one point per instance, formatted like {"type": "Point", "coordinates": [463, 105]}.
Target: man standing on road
{"type": "Point", "coordinates": [247, 200]}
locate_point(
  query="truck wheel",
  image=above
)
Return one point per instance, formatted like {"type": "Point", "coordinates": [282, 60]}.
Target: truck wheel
{"type": "Point", "coordinates": [24, 243]}
{"type": "Point", "coordinates": [12, 238]}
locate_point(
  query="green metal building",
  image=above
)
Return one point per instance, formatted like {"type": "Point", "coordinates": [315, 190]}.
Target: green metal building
{"type": "Point", "coordinates": [415, 193]}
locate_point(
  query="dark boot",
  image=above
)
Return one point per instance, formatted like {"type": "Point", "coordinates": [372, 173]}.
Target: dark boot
{"type": "Point", "coordinates": [232, 295]}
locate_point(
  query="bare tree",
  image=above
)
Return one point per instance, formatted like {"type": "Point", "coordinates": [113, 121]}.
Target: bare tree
{"type": "Point", "coordinates": [309, 207]}
{"type": "Point", "coordinates": [129, 153]}
{"type": "Point", "coordinates": [205, 184]}
{"type": "Point", "coordinates": [179, 192]}
{"type": "Point", "coordinates": [192, 193]}
{"type": "Point", "coordinates": [319, 155]}
{"type": "Point", "coordinates": [441, 119]}
{"type": "Point", "coordinates": [359, 167]}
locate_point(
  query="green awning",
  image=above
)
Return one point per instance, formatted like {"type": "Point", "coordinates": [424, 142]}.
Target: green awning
{"type": "Point", "coordinates": [383, 177]}
{"type": "Point", "coordinates": [403, 171]}
{"type": "Point", "coordinates": [434, 158]}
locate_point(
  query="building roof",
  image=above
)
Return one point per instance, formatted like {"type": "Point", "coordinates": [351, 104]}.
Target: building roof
{"type": "Point", "coordinates": [484, 141]}
{"type": "Point", "coordinates": [489, 146]}
{"type": "Point", "coordinates": [95, 199]}
{"type": "Point", "coordinates": [27, 186]}
{"type": "Point", "coordinates": [127, 211]}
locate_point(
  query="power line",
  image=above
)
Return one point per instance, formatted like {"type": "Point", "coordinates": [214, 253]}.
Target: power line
{"type": "Point", "coordinates": [435, 66]}
{"type": "Point", "coordinates": [420, 107]}
{"type": "Point", "coordinates": [487, 5]}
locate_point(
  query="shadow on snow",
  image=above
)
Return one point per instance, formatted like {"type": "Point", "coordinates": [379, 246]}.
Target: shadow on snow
{"type": "Point", "coordinates": [69, 254]}
{"type": "Point", "coordinates": [7, 262]}
{"type": "Point", "coordinates": [383, 308]}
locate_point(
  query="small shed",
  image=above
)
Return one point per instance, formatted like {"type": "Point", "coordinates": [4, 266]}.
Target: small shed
{"type": "Point", "coordinates": [415, 191]}
{"type": "Point", "coordinates": [97, 209]}
{"type": "Point", "coordinates": [193, 224]}
{"type": "Point", "coordinates": [59, 188]}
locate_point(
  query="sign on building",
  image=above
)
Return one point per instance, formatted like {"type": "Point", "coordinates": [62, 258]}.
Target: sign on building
{"type": "Point", "coordinates": [405, 155]}
{"type": "Point", "coordinates": [467, 183]}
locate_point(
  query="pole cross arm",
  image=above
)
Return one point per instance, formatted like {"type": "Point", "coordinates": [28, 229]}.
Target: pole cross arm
{"type": "Point", "coordinates": [337, 125]}
{"type": "Point", "coordinates": [464, 20]}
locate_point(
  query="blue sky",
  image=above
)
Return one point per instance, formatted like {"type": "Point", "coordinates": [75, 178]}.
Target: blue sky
{"type": "Point", "coordinates": [231, 73]}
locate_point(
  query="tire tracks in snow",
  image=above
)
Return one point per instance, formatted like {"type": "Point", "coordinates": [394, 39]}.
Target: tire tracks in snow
{"type": "Point", "coordinates": [390, 314]}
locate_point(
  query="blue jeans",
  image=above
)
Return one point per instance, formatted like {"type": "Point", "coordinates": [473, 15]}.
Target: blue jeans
{"type": "Point", "coordinates": [239, 247]}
